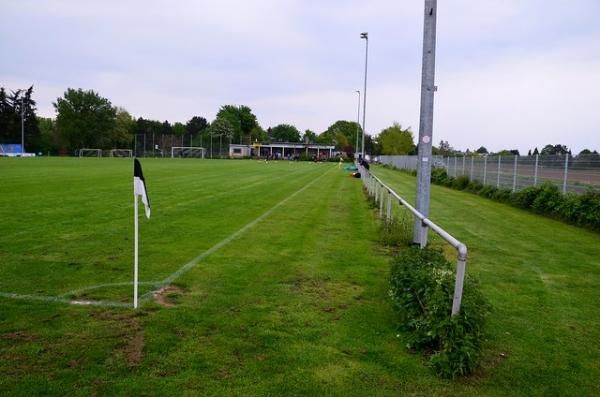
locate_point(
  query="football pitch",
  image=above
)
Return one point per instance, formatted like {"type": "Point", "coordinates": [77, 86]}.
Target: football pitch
{"type": "Point", "coordinates": [266, 279]}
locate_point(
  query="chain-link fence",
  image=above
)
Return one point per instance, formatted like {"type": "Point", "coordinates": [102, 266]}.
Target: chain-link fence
{"type": "Point", "coordinates": [160, 145]}
{"type": "Point", "coordinates": [571, 173]}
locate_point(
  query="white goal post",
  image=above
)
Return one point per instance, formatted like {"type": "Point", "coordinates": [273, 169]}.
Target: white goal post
{"type": "Point", "coordinates": [187, 152]}
{"type": "Point", "coordinates": [90, 152]}
{"type": "Point", "coordinates": [120, 153]}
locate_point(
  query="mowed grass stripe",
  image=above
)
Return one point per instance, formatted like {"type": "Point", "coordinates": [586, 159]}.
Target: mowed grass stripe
{"type": "Point", "coordinates": [542, 278]}
{"type": "Point", "coordinates": [38, 258]}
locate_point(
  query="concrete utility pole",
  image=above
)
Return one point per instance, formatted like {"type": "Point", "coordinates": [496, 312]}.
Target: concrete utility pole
{"type": "Point", "coordinates": [365, 35]}
{"type": "Point", "coordinates": [426, 120]}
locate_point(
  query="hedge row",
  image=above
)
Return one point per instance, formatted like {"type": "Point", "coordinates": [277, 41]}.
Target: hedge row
{"type": "Point", "coordinates": [421, 289]}
{"type": "Point", "coordinates": [546, 199]}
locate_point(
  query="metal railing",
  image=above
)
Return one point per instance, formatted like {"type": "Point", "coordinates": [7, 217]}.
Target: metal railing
{"type": "Point", "coordinates": [376, 188]}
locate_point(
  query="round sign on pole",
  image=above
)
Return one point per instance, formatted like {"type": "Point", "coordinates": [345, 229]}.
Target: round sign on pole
{"type": "Point", "coordinates": [426, 139]}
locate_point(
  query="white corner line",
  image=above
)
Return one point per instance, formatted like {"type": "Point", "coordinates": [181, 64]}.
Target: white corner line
{"type": "Point", "coordinates": [63, 298]}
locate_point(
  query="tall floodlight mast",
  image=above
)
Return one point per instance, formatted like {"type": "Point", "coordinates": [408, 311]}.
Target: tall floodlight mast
{"type": "Point", "coordinates": [426, 121]}
{"type": "Point", "coordinates": [365, 35]}
{"type": "Point", "coordinates": [357, 125]}
{"type": "Point", "coordinates": [22, 122]}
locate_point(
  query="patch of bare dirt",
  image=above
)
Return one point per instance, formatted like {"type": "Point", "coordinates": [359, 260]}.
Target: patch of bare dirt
{"type": "Point", "coordinates": [165, 295]}
{"type": "Point", "coordinates": [133, 349]}
{"type": "Point", "coordinates": [128, 329]}
{"type": "Point", "coordinates": [19, 336]}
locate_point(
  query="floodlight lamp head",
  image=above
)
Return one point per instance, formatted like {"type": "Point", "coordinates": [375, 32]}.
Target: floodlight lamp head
{"type": "Point", "coordinates": [364, 35]}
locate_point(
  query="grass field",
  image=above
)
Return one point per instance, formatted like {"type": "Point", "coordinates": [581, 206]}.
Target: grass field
{"type": "Point", "coordinates": [292, 299]}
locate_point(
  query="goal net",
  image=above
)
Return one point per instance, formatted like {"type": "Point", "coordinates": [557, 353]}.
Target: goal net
{"type": "Point", "coordinates": [187, 152]}
{"type": "Point", "coordinates": [121, 153]}
{"type": "Point", "coordinates": [90, 153]}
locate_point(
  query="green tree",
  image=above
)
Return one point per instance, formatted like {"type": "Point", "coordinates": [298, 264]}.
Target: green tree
{"type": "Point", "coordinates": [554, 150]}
{"type": "Point", "coordinates": [49, 140]}
{"type": "Point", "coordinates": [445, 149]}
{"type": "Point", "coordinates": [395, 140]}
{"type": "Point", "coordinates": [257, 134]}
{"type": "Point", "coordinates": [482, 150]}
{"type": "Point", "coordinates": [122, 133]}
{"type": "Point", "coordinates": [10, 118]}
{"type": "Point", "coordinates": [349, 129]}
{"type": "Point", "coordinates": [309, 137]}
{"type": "Point", "coordinates": [372, 145]}
{"type": "Point", "coordinates": [241, 118]}
{"type": "Point", "coordinates": [285, 133]}
{"type": "Point", "coordinates": [179, 129]}
{"type": "Point", "coordinates": [84, 119]}
{"type": "Point", "coordinates": [221, 127]}
{"type": "Point", "coordinates": [196, 125]}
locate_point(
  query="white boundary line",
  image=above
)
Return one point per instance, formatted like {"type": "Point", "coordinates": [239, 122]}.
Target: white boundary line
{"type": "Point", "coordinates": [191, 264]}
{"type": "Point", "coordinates": [63, 298]}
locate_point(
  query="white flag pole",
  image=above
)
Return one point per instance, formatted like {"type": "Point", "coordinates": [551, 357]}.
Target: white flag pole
{"type": "Point", "coordinates": [135, 254]}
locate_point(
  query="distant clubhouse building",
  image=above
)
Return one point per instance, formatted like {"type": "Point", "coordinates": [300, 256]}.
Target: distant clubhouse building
{"type": "Point", "coordinates": [282, 150]}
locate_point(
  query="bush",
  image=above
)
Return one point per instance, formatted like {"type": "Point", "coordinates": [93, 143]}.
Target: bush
{"type": "Point", "coordinates": [502, 195]}
{"type": "Point", "coordinates": [488, 191]}
{"type": "Point", "coordinates": [525, 197]}
{"type": "Point", "coordinates": [548, 199]}
{"type": "Point", "coordinates": [421, 290]}
{"type": "Point", "coordinates": [586, 211]}
{"type": "Point", "coordinates": [439, 176]}
{"type": "Point", "coordinates": [474, 187]}
{"type": "Point", "coordinates": [460, 183]}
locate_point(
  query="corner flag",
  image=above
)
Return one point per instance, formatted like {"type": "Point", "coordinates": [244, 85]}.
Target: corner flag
{"type": "Point", "coordinates": [139, 189]}
{"type": "Point", "coordinates": [139, 186]}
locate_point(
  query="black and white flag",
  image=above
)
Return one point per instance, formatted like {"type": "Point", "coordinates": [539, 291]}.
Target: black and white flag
{"type": "Point", "coordinates": [139, 186]}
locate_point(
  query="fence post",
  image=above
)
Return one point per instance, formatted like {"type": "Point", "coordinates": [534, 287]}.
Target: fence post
{"type": "Point", "coordinates": [498, 173]}
{"type": "Point", "coordinates": [448, 166]}
{"type": "Point", "coordinates": [381, 200]}
{"type": "Point", "coordinates": [376, 192]}
{"type": "Point", "coordinates": [389, 208]}
{"type": "Point", "coordinates": [463, 167]}
{"type": "Point", "coordinates": [455, 166]}
{"type": "Point", "coordinates": [515, 174]}
{"type": "Point", "coordinates": [484, 168]}
{"type": "Point", "coordinates": [471, 175]}
{"type": "Point", "coordinates": [566, 173]}
{"type": "Point", "coordinates": [535, 171]}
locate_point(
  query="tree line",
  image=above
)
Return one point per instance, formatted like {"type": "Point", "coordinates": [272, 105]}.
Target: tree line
{"type": "Point", "coordinates": [85, 119]}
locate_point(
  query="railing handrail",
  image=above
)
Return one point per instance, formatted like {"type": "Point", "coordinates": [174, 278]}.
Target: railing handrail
{"type": "Point", "coordinates": [460, 247]}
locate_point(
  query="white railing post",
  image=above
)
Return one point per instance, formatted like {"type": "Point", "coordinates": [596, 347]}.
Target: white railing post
{"type": "Point", "coordinates": [381, 200]}
{"type": "Point", "coordinates": [455, 166]}
{"type": "Point", "coordinates": [388, 216]}
{"type": "Point", "coordinates": [463, 165]}
{"type": "Point", "coordinates": [458, 286]}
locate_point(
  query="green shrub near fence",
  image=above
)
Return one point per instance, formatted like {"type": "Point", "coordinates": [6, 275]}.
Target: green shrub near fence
{"type": "Point", "coordinates": [421, 290]}
{"type": "Point", "coordinates": [546, 199]}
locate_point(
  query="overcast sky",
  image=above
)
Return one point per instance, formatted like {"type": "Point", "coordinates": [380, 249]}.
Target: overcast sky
{"type": "Point", "coordinates": [511, 73]}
